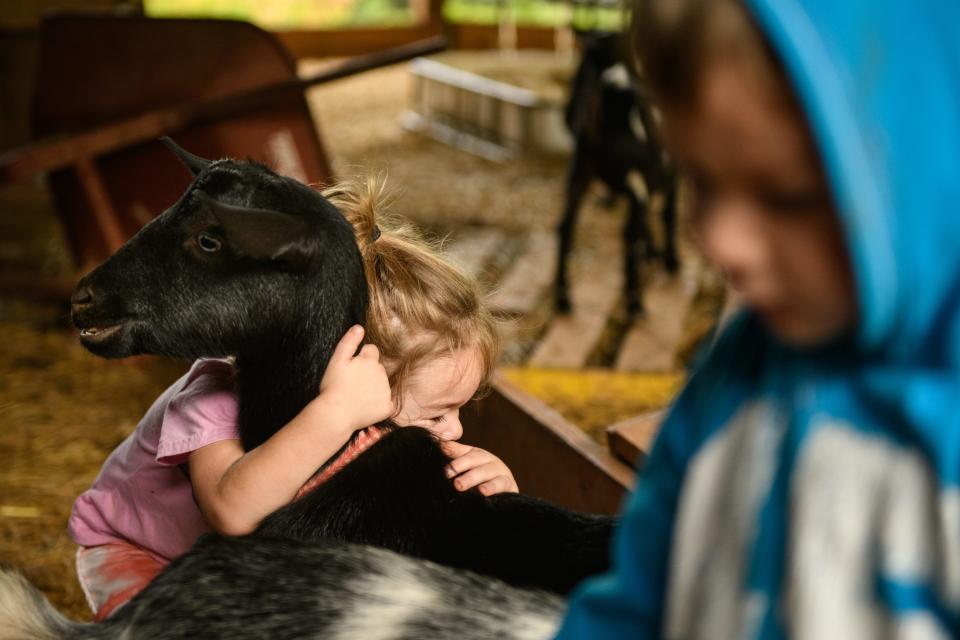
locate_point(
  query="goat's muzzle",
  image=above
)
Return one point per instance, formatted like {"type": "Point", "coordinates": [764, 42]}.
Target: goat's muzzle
{"type": "Point", "coordinates": [97, 325]}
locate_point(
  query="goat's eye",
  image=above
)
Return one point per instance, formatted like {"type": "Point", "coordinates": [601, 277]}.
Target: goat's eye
{"type": "Point", "coordinates": [208, 243]}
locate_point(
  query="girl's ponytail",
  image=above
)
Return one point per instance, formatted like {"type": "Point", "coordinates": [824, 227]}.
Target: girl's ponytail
{"type": "Point", "coordinates": [421, 305]}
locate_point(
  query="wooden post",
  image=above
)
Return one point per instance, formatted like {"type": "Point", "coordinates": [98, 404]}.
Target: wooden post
{"type": "Point", "coordinates": [106, 216]}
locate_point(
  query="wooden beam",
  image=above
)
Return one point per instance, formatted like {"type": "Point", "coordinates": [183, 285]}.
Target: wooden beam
{"type": "Point", "coordinates": [531, 275]}
{"type": "Point", "coordinates": [328, 43]}
{"type": "Point", "coordinates": [482, 36]}
{"type": "Point", "coordinates": [103, 210]}
{"type": "Point", "coordinates": [572, 338]}
{"type": "Point", "coordinates": [473, 249]}
{"type": "Point", "coordinates": [630, 440]}
{"type": "Point", "coordinates": [550, 458]}
{"type": "Point", "coordinates": [651, 343]}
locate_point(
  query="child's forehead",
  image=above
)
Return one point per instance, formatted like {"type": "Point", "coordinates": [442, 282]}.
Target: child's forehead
{"type": "Point", "coordinates": [736, 122]}
{"type": "Point", "coordinates": [450, 378]}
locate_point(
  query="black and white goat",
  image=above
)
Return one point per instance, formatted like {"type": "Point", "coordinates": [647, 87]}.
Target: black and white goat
{"type": "Point", "coordinates": [238, 588]}
{"type": "Point", "coordinates": [615, 142]}
{"type": "Point", "coordinates": [252, 264]}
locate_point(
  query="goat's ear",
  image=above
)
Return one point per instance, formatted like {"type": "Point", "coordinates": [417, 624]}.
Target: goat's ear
{"type": "Point", "coordinates": [195, 164]}
{"type": "Point", "coordinates": [264, 234]}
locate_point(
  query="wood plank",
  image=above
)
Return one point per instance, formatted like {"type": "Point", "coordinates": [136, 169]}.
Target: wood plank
{"type": "Point", "coordinates": [529, 278]}
{"type": "Point", "coordinates": [630, 440]}
{"type": "Point", "coordinates": [105, 214]}
{"type": "Point", "coordinates": [549, 457]}
{"type": "Point", "coordinates": [572, 338]}
{"type": "Point", "coordinates": [651, 343]}
{"type": "Point", "coordinates": [474, 248]}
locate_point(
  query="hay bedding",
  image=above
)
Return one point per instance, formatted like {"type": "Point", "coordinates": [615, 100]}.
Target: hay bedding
{"type": "Point", "coordinates": [62, 411]}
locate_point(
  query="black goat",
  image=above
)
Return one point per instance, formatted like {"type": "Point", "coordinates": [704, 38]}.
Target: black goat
{"type": "Point", "coordinates": [223, 272]}
{"type": "Point", "coordinates": [614, 134]}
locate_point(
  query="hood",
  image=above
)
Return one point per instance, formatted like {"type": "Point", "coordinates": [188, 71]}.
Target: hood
{"type": "Point", "coordinates": [879, 81]}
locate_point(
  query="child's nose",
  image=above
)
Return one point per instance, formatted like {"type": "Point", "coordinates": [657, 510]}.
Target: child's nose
{"type": "Point", "coordinates": [454, 429]}
{"type": "Point", "coordinates": [733, 239]}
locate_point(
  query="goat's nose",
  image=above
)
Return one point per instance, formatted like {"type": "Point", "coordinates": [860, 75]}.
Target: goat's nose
{"type": "Point", "coordinates": [82, 297]}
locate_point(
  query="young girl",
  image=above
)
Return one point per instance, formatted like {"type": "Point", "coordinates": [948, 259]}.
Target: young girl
{"type": "Point", "coordinates": [183, 471]}
{"type": "Point", "coordinates": [807, 481]}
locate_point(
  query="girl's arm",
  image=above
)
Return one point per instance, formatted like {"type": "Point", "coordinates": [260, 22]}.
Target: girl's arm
{"type": "Point", "coordinates": [236, 490]}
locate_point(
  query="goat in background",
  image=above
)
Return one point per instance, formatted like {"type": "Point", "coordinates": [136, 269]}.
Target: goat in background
{"type": "Point", "coordinates": [615, 142]}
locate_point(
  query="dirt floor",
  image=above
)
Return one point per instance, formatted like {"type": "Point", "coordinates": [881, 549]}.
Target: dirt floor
{"type": "Point", "coordinates": [63, 410]}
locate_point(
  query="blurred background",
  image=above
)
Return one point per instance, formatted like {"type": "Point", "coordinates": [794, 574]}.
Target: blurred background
{"type": "Point", "coordinates": [473, 140]}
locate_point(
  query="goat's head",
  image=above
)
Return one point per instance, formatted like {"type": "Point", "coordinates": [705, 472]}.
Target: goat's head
{"type": "Point", "coordinates": [245, 262]}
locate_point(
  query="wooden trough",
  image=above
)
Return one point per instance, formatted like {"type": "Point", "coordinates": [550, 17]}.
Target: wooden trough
{"type": "Point", "coordinates": [549, 457]}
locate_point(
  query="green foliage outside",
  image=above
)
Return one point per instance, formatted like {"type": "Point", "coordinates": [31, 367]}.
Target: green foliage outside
{"type": "Point", "coordinates": [532, 12]}
{"type": "Point", "coordinates": [288, 14]}
{"type": "Point", "coordinates": [314, 14]}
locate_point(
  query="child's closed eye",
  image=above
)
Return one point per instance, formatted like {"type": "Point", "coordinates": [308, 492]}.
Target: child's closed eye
{"type": "Point", "coordinates": [794, 201]}
{"type": "Point", "coordinates": [438, 419]}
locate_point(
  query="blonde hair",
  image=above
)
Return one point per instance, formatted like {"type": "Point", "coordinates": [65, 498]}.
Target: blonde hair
{"type": "Point", "coordinates": [421, 305]}
{"type": "Point", "coordinates": [676, 40]}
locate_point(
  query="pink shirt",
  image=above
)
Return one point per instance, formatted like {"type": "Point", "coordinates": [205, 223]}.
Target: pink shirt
{"type": "Point", "coordinates": [142, 495]}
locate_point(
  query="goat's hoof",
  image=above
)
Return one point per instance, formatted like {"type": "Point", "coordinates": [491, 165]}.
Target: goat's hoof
{"type": "Point", "coordinates": [561, 304]}
{"type": "Point", "coordinates": [634, 308]}
{"type": "Point", "coordinates": [670, 263]}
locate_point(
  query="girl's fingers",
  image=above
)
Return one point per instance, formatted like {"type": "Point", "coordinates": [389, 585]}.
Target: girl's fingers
{"type": "Point", "coordinates": [455, 449]}
{"type": "Point", "coordinates": [477, 476]}
{"type": "Point", "coordinates": [348, 344]}
{"type": "Point", "coordinates": [500, 484]}
{"type": "Point", "coordinates": [369, 351]}
{"type": "Point", "coordinates": [471, 459]}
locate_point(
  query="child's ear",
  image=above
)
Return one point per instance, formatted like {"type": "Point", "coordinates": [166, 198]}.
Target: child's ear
{"type": "Point", "coordinates": [264, 234]}
{"type": "Point", "coordinates": [194, 163]}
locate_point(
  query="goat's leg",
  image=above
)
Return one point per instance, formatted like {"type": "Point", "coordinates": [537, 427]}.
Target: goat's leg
{"type": "Point", "coordinates": [636, 232]}
{"type": "Point", "coordinates": [670, 260]}
{"type": "Point", "coordinates": [578, 179]}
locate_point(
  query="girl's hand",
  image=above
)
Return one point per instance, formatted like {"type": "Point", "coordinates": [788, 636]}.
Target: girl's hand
{"type": "Point", "coordinates": [475, 467]}
{"type": "Point", "coordinates": [356, 387]}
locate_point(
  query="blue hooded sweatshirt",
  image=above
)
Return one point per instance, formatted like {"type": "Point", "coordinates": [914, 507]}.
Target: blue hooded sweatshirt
{"type": "Point", "coordinates": [815, 493]}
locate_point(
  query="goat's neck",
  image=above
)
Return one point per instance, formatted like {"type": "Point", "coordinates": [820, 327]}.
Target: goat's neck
{"type": "Point", "coordinates": [274, 387]}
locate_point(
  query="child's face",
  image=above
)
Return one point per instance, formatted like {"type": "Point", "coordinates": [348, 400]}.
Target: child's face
{"type": "Point", "coordinates": [437, 389]}
{"type": "Point", "coordinates": [764, 213]}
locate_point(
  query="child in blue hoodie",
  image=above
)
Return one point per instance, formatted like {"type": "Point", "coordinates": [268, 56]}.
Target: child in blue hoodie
{"type": "Point", "coordinates": [807, 481]}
